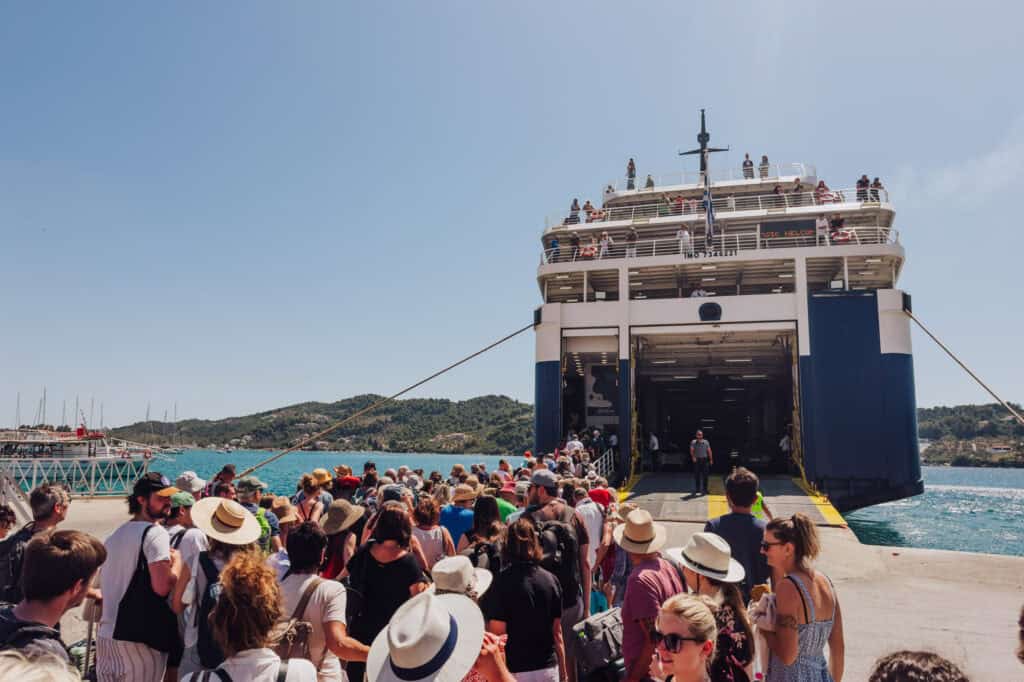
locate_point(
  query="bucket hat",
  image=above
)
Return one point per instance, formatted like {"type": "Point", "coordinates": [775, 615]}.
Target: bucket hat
{"type": "Point", "coordinates": [640, 534]}
{"type": "Point", "coordinates": [249, 485]}
{"type": "Point", "coordinates": [456, 574]}
{"type": "Point", "coordinates": [190, 482]}
{"type": "Point", "coordinates": [341, 515]}
{"type": "Point", "coordinates": [284, 511]}
{"type": "Point", "coordinates": [430, 637]}
{"type": "Point", "coordinates": [463, 492]}
{"type": "Point", "coordinates": [709, 555]}
{"type": "Point", "coordinates": [225, 520]}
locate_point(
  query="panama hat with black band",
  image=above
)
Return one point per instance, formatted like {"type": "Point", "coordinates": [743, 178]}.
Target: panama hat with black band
{"type": "Point", "coordinates": [709, 555]}
{"type": "Point", "coordinates": [640, 534]}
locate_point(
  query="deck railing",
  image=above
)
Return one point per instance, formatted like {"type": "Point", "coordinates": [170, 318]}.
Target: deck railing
{"type": "Point", "coordinates": [723, 244]}
{"type": "Point", "coordinates": [605, 465]}
{"type": "Point", "coordinates": [731, 173]}
{"type": "Point", "coordinates": [83, 477]}
{"type": "Point", "coordinates": [721, 203]}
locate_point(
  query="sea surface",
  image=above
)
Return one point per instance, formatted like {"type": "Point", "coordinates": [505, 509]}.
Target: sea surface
{"type": "Point", "coordinates": [962, 508]}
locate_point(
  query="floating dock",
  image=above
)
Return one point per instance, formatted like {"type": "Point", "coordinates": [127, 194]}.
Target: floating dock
{"type": "Point", "coordinates": [961, 605]}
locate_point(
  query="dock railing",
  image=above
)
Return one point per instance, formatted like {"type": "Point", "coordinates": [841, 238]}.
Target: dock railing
{"type": "Point", "coordinates": [92, 477]}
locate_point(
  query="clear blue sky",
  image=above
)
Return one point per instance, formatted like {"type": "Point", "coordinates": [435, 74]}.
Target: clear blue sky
{"type": "Point", "coordinates": [242, 205]}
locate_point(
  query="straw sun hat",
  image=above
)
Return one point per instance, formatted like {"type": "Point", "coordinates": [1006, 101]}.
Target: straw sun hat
{"type": "Point", "coordinates": [463, 493]}
{"type": "Point", "coordinates": [640, 534]}
{"type": "Point", "coordinates": [341, 515]}
{"type": "Point", "coordinates": [709, 555]}
{"type": "Point", "coordinates": [225, 521]}
{"type": "Point", "coordinates": [430, 637]}
{"type": "Point", "coordinates": [456, 574]}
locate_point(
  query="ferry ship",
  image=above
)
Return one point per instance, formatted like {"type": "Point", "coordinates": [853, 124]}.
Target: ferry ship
{"type": "Point", "coordinates": [754, 303]}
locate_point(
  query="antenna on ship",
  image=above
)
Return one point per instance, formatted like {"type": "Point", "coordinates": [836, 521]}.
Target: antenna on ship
{"type": "Point", "coordinates": [703, 137]}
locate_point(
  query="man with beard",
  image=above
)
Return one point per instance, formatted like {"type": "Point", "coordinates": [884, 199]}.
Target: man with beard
{"type": "Point", "coordinates": [58, 568]}
{"type": "Point", "coordinates": [138, 629]}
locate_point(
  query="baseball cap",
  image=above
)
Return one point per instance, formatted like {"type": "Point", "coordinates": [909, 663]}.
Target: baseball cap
{"type": "Point", "coordinates": [249, 484]}
{"type": "Point", "coordinates": [154, 482]}
{"type": "Point", "coordinates": [544, 478]}
{"type": "Point", "coordinates": [182, 499]}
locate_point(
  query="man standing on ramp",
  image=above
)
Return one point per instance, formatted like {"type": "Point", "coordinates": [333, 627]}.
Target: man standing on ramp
{"type": "Point", "coordinates": [700, 454]}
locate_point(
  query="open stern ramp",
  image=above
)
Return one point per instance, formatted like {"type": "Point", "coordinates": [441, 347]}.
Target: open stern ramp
{"type": "Point", "coordinates": [669, 497]}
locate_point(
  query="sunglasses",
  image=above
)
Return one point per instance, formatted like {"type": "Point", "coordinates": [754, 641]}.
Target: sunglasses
{"type": "Point", "coordinates": [766, 545]}
{"type": "Point", "coordinates": [673, 642]}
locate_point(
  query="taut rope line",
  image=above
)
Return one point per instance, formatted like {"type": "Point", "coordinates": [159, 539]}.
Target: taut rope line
{"type": "Point", "coordinates": [382, 401]}
{"type": "Point", "coordinates": [966, 368]}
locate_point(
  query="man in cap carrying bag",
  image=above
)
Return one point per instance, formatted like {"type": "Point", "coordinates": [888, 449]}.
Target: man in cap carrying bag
{"type": "Point", "coordinates": [138, 629]}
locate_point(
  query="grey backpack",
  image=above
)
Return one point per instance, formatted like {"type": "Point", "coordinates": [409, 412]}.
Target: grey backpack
{"type": "Point", "coordinates": [598, 641]}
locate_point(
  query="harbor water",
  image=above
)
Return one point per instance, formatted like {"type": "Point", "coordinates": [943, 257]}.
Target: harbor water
{"type": "Point", "coordinates": [964, 509]}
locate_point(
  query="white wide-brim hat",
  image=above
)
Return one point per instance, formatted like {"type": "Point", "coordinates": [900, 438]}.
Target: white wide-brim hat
{"type": "Point", "coordinates": [226, 521]}
{"type": "Point", "coordinates": [640, 534]}
{"type": "Point", "coordinates": [430, 637]}
{"type": "Point", "coordinates": [709, 555]}
{"type": "Point", "coordinates": [457, 575]}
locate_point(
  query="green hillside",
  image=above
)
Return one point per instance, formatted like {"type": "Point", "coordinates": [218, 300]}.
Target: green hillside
{"type": "Point", "coordinates": [488, 424]}
{"type": "Point", "coordinates": [971, 435]}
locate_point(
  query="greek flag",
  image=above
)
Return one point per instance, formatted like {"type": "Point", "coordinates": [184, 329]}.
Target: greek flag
{"type": "Point", "coordinates": [709, 214]}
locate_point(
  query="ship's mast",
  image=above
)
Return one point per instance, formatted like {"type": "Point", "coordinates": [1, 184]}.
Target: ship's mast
{"type": "Point", "coordinates": [703, 137]}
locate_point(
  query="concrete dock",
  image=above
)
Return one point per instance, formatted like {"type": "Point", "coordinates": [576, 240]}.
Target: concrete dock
{"type": "Point", "coordinates": [963, 606]}
{"type": "Point", "coordinates": [960, 605]}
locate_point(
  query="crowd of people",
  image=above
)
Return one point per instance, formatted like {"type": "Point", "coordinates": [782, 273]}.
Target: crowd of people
{"type": "Point", "coordinates": [405, 576]}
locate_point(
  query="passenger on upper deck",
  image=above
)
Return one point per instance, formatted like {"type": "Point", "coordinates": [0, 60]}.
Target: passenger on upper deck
{"type": "Point", "coordinates": [777, 200]}
{"type": "Point", "coordinates": [574, 242]}
{"type": "Point", "coordinates": [748, 167]}
{"type": "Point", "coordinates": [606, 242]}
{"type": "Point", "coordinates": [590, 250]}
{"type": "Point", "coordinates": [838, 234]}
{"type": "Point", "coordinates": [588, 208]}
{"type": "Point", "coordinates": [631, 174]}
{"type": "Point", "coordinates": [631, 238]}
{"type": "Point", "coordinates": [822, 194]}
{"type": "Point", "coordinates": [685, 242]}
{"type": "Point", "coordinates": [554, 252]}
{"type": "Point", "coordinates": [796, 192]}
{"type": "Point", "coordinates": [876, 186]}
{"type": "Point", "coordinates": [862, 188]}
{"type": "Point", "coordinates": [574, 210]}
{"type": "Point", "coordinates": [763, 167]}
{"type": "Point", "coordinates": [821, 229]}
{"type": "Point", "coordinates": [650, 182]}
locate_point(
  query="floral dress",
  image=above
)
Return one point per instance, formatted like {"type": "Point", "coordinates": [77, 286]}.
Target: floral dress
{"type": "Point", "coordinates": [734, 650]}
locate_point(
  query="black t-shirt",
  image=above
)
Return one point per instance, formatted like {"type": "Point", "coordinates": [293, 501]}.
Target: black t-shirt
{"type": "Point", "coordinates": [387, 588]}
{"type": "Point", "coordinates": [527, 599]}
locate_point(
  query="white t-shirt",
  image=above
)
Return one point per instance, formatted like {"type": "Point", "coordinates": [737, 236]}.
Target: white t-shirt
{"type": "Point", "coordinates": [192, 543]}
{"type": "Point", "coordinates": [122, 558]}
{"type": "Point", "coordinates": [327, 604]}
{"type": "Point", "coordinates": [593, 519]}
{"type": "Point", "coordinates": [261, 665]}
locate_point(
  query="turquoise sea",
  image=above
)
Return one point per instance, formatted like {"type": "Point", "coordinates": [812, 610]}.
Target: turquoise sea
{"type": "Point", "coordinates": [966, 509]}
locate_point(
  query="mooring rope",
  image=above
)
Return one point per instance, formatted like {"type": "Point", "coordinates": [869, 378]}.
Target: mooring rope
{"type": "Point", "coordinates": [966, 368]}
{"type": "Point", "coordinates": [383, 401]}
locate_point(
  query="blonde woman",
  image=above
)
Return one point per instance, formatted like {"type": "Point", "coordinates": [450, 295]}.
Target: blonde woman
{"type": "Point", "coordinates": [684, 636]}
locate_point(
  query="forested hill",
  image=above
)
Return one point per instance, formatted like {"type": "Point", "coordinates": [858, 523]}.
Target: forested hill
{"type": "Point", "coordinates": [971, 435]}
{"type": "Point", "coordinates": [488, 424]}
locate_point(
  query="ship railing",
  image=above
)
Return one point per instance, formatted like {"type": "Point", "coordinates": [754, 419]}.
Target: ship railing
{"type": "Point", "coordinates": [722, 244]}
{"type": "Point", "coordinates": [720, 203]}
{"type": "Point", "coordinates": [772, 171]}
{"type": "Point", "coordinates": [83, 477]}
{"type": "Point", "coordinates": [605, 465]}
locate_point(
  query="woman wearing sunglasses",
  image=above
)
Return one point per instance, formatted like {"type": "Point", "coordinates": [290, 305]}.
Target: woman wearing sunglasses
{"type": "Point", "coordinates": [709, 569]}
{"type": "Point", "coordinates": [684, 636]}
{"type": "Point", "coordinates": [806, 607]}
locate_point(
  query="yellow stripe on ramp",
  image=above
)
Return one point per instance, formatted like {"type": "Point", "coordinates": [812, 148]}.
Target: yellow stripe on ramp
{"type": "Point", "coordinates": [831, 515]}
{"type": "Point", "coordinates": [627, 488]}
{"type": "Point", "coordinates": [717, 504]}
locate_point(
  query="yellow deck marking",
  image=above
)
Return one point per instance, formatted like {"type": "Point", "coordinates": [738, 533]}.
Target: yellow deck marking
{"type": "Point", "coordinates": [716, 500]}
{"type": "Point", "coordinates": [627, 488]}
{"type": "Point", "coordinates": [831, 515]}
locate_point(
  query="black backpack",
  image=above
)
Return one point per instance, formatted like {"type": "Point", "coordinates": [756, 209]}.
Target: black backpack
{"type": "Point", "coordinates": [12, 552]}
{"type": "Point", "coordinates": [561, 553]}
{"type": "Point", "coordinates": [484, 555]}
{"type": "Point", "coordinates": [17, 634]}
{"type": "Point", "coordinates": [210, 654]}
